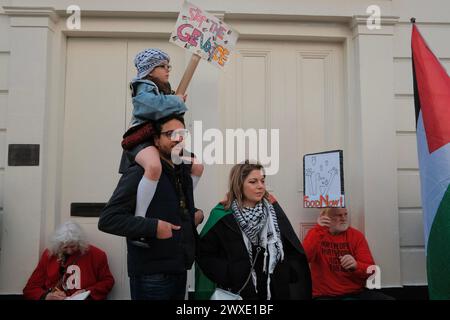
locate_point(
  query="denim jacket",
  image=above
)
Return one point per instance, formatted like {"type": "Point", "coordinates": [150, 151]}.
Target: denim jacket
{"type": "Point", "coordinates": [150, 104]}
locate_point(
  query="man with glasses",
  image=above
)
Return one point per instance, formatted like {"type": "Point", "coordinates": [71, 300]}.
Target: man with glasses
{"type": "Point", "coordinates": [161, 245]}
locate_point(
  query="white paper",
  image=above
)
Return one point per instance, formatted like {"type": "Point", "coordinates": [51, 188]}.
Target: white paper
{"type": "Point", "coordinates": [80, 296]}
{"type": "Point", "coordinates": [323, 177]}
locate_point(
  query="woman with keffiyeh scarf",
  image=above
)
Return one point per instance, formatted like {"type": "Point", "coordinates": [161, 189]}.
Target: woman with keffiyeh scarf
{"type": "Point", "coordinates": [251, 221]}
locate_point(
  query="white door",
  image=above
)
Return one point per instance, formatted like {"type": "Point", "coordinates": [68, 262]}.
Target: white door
{"type": "Point", "coordinates": [296, 87]}
{"type": "Point", "coordinates": [97, 113]}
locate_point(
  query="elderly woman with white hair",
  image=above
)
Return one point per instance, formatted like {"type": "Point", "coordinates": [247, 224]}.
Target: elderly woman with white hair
{"type": "Point", "coordinates": [70, 266]}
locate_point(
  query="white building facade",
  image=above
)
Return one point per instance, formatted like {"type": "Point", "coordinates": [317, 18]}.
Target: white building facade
{"type": "Point", "coordinates": [312, 69]}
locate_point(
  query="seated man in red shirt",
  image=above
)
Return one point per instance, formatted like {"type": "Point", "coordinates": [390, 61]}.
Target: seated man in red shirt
{"type": "Point", "coordinates": [339, 258]}
{"type": "Point", "coordinates": [70, 266]}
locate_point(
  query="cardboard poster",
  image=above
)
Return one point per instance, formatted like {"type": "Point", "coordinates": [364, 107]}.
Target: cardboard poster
{"type": "Point", "coordinates": [323, 180]}
{"type": "Point", "coordinates": [204, 34]}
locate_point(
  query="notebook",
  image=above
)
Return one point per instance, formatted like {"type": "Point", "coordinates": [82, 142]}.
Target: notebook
{"type": "Point", "coordinates": [80, 296]}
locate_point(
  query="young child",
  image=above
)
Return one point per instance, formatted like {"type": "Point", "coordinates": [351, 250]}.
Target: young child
{"type": "Point", "coordinates": [152, 99]}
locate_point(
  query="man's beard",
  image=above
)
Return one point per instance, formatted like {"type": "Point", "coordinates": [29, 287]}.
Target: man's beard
{"type": "Point", "coordinates": [172, 154]}
{"type": "Point", "coordinates": [166, 154]}
{"type": "Point", "coordinates": [339, 228]}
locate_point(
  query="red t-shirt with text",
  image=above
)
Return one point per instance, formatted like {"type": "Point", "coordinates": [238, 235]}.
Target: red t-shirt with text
{"type": "Point", "coordinates": [323, 250]}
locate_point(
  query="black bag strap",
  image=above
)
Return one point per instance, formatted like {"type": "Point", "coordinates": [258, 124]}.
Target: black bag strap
{"type": "Point", "coordinates": [258, 249]}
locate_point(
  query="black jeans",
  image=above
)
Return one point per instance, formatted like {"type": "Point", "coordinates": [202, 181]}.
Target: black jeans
{"type": "Point", "coordinates": [159, 286]}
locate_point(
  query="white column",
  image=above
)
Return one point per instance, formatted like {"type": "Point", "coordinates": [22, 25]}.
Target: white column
{"type": "Point", "coordinates": [375, 125]}
{"type": "Point", "coordinates": [29, 98]}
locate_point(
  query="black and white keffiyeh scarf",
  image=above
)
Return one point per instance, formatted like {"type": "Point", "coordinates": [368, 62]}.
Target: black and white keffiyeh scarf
{"type": "Point", "coordinates": [259, 226]}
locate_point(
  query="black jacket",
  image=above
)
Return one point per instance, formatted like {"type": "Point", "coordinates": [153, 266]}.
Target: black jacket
{"type": "Point", "coordinates": [174, 255]}
{"type": "Point", "coordinates": [223, 258]}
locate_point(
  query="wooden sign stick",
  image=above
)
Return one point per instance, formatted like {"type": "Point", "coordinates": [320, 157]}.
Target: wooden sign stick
{"type": "Point", "coordinates": [187, 76]}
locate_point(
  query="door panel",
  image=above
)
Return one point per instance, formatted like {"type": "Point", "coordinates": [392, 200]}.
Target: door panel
{"type": "Point", "coordinates": [295, 87]}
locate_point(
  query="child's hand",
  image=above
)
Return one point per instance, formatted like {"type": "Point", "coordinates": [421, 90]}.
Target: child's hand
{"type": "Point", "coordinates": [198, 217]}
{"type": "Point", "coordinates": [182, 97]}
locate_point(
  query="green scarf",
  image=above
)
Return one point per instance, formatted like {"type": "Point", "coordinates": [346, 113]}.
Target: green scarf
{"type": "Point", "coordinates": [204, 287]}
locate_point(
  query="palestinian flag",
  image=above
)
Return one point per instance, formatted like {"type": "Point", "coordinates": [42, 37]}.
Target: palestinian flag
{"type": "Point", "coordinates": [432, 103]}
{"type": "Point", "coordinates": [204, 287]}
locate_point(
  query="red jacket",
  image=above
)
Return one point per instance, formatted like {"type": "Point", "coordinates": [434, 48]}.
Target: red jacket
{"type": "Point", "coordinates": [323, 251]}
{"type": "Point", "coordinates": [94, 274]}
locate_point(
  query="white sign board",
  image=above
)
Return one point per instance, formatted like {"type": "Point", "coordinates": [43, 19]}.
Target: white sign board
{"type": "Point", "coordinates": [204, 34]}
{"type": "Point", "coordinates": [323, 180]}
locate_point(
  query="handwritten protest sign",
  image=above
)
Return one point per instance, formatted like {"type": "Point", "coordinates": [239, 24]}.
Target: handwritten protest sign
{"type": "Point", "coordinates": [323, 180]}
{"type": "Point", "coordinates": [204, 35]}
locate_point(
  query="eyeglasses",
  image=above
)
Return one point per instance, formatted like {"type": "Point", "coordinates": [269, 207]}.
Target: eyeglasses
{"type": "Point", "coordinates": [174, 134]}
{"type": "Point", "coordinates": [168, 67]}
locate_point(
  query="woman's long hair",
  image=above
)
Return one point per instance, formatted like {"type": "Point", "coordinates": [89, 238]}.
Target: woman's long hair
{"type": "Point", "coordinates": [163, 87]}
{"type": "Point", "coordinates": [68, 232]}
{"type": "Point", "coordinates": [238, 174]}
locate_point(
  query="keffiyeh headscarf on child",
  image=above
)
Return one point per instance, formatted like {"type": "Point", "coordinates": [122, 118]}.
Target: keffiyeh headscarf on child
{"type": "Point", "coordinates": [146, 60]}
